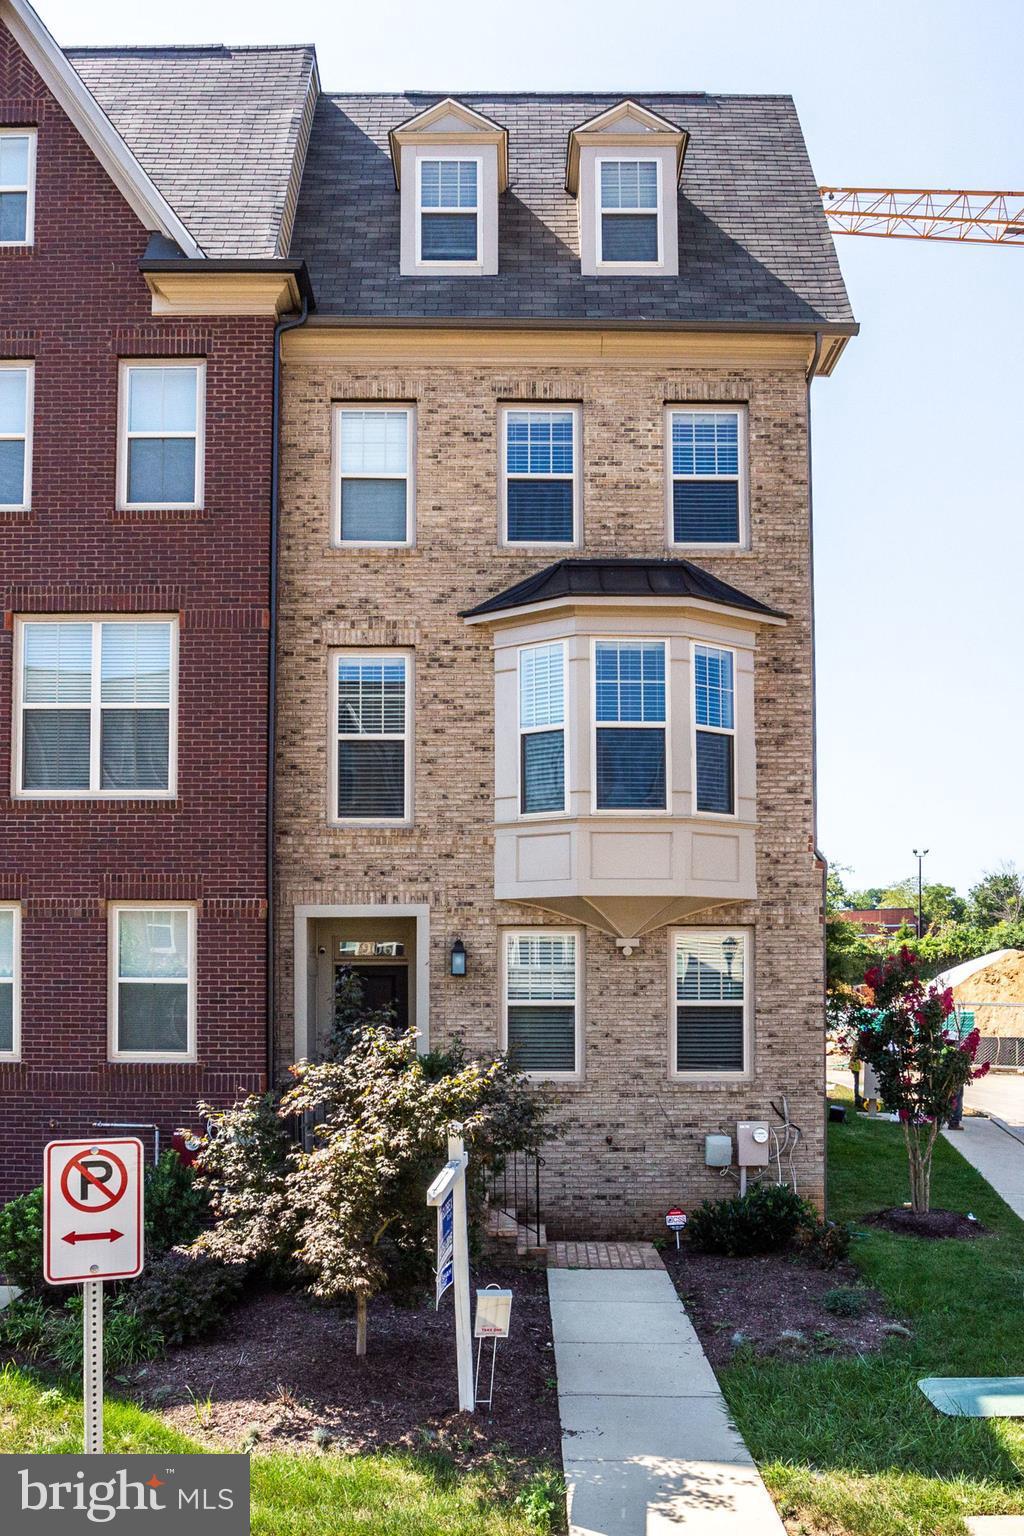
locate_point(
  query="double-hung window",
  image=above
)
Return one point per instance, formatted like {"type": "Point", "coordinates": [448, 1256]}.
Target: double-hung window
{"type": "Point", "coordinates": [10, 980]}
{"type": "Point", "coordinates": [542, 1004]}
{"type": "Point", "coordinates": [715, 729]}
{"type": "Point", "coordinates": [16, 381]}
{"type": "Point", "coordinates": [542, 729]}
{"type": "Point", "coordinates": [707, 475]}
{"type": "Point", "coordinates": [96, 706]}
{"type": "Point", "coordinates": [372, 699]}
{"type": "Point", "coordinates": [152, 982]}
{"type": "Point", "coordinates": [449, 210]}
{"type": "Point", "coordinates": [540, 479]}
{"type": "Point", "coordinates": [162, 416]}
{"type": "Point", "coordinates": [17, 185]}
{"type": "Point", "coordinates": [374, 485]}
{"type": "Point", "coordinates": [630, 724]}
{"type": "Point", "coordinates": [712, 1001]}
{"type": "Point", "coordinates": [629, 212]}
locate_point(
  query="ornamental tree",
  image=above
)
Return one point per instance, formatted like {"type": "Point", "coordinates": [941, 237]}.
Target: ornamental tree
{"type": "Point", "coordinates": [908, 1034]}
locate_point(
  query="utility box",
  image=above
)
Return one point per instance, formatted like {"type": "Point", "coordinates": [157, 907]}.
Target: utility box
{"type": "Point", "coordinates": [718, 1151]}
{"type": "Point", "coordinates": [752, 1144]}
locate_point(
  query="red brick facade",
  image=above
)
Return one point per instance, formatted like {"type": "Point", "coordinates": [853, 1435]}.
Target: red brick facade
{"type": "Point", "coordinates": [76, 304]}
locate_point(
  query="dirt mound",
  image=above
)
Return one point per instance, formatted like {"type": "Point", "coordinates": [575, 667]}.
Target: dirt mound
{"type": "Point", "coordinates": [933, 1224]}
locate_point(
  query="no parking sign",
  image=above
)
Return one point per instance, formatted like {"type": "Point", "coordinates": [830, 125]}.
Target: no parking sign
{"type": "Point", "coordinates": [93, 1210]}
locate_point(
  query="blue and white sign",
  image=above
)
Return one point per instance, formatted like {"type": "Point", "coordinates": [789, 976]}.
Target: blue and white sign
{"type": "Point", "coordinates": [445, 1246]}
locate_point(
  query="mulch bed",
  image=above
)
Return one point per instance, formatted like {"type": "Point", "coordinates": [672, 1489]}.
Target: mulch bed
{"type": "Point", "coordinates": [772, 1304]}
{"type": "Point", "coordinates": [283, 1367]}
{"type": "Point", "coordinates": [934, 1224]}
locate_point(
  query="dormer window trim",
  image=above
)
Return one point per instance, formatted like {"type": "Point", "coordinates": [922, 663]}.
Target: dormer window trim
{"type": "Point", "coordinates": [453, 157]}
{"type": "Point", "coordinates": [449, 131]}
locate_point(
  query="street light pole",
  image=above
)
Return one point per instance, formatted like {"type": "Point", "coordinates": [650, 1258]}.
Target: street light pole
{"type": "Point", "coordinates": [919, 855]}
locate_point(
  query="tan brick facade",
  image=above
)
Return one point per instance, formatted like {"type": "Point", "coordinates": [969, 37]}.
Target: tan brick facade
{"type": "Point", "coordinates": [635, 1144]}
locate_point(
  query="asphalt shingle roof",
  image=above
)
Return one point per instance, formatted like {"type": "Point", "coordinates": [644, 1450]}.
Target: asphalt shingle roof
{"type": "Point", "coordinates": [621, 578]}
{"type": "Point", "coordinates": [216, 128]}
{"type": "Point", "coordinates": [753, 242]}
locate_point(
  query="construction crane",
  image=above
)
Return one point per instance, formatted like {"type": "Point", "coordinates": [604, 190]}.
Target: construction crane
{"type": "Point", "coordinates": [915, 213]}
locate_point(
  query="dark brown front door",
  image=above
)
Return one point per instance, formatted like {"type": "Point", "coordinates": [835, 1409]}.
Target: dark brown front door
{"type": "Point", "coordinates": [385, 986]}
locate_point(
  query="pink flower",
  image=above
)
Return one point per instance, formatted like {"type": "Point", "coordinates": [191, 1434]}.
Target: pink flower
{"type": "Point", "coordinates": [983, 1070]}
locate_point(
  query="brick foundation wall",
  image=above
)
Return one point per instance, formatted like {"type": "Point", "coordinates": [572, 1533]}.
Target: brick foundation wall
{"type": "Point", "coordinates": [634, 1143]}
{"type": "Point", "coordinates": [76, 304]}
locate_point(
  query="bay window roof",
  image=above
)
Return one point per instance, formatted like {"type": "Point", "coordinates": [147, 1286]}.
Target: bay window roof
{"type": "Point", "coordinates": [637, 580]}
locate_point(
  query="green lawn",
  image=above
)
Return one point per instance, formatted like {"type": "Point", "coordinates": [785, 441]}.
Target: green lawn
{"type": "Point", "coordinates": [328, 1495]}
{"type": "Point", "coordinates": [852, 1446]}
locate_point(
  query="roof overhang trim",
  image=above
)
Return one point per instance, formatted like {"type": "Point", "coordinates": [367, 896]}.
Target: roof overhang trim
{"type": "Point", "coordinates": [604, 131]}
{"type": "Point", "coordinates": [577, 602]}
{"type": "Point", "coordinates": [269, 287]}
{"type": "Point", "coordinates": [478, 129]}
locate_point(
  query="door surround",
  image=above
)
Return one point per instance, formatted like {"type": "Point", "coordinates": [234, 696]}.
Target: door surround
{"type": "Point", "coordinates": [303, 915]}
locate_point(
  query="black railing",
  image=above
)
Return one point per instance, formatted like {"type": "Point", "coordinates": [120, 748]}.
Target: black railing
{"type": "Point", "coordinates": [515, 1189]}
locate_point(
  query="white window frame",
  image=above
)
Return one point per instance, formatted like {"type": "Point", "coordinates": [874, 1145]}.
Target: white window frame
{"type": "Point", "coordinates": [369, 653]}
{"type": "Point", "coordinates": [504, 934]}
{"type": "Point", "coordinates": [615, 725]}
{"type": "Point", "coordinates": [28, 367]}
{"type": "Point", "coordinates": [534, 407]}
{"type": "Point", "coordinates": [714, 730]}
{"type": "Point", "coordinates": [113, 977]}
{"type": "Point", "coordinates": [697, 407]}
{"type": "Point", "coordinates": [29, 188]}
{"type": "Point", "coordinates": [14, 1054]}
{"type": "Point", "coordinates": [533, 730]}
{"type": "Point", "coordinates": [409, 477]}
{"type": "Point", "coordinates": [95, 707]}
{"type": "Point", "coordinates": [125, 367]}
{"type": "Point", "coordinates": [600, 210]}
{"type": "Point", "coordinates": [746, 938]}
{"type": "Point", "coordinates": [431, 262]}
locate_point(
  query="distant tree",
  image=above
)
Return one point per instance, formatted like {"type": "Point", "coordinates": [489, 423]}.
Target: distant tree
{"type": "Point", "coordinates": [998, 897]}
{"type": "Point", "coordinates": [943, 905]}
{"type": "Point", "coordinates": [902, 893]}
{"type": "Point", "coordinates": [836, 897]}
{"type": "Point", "coordinates": [866, 899]}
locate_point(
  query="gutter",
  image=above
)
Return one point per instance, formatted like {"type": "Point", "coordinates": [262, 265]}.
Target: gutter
{"type": "Point", "coordinates": [819, 330]}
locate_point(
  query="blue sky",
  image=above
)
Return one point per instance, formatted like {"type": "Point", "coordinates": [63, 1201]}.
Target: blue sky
{"type": "Point", "coordinates": [918, 487]}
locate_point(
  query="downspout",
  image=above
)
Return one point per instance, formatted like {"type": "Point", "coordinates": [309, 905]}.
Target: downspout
{"type": "Point", "coordinates": [288, 323]}
{"type": "Point", "coordinates": [819, 856]}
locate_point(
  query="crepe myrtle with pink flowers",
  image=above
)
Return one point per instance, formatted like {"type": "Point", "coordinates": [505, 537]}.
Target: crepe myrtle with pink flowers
{"type": "Point", "coordinates": [907, 1032]}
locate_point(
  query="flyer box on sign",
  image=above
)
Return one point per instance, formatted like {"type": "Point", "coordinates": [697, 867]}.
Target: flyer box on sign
{"type": "Point", "coordinates": [493, 1314]}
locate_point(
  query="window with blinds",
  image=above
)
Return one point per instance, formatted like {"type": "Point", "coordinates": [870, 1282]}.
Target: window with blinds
{"type": "Point", "coordinates": [715, 736]}
{"type": "Point", "coordinates": [540, 476]}
{"type": "Point", "coordinates": [630, 711]}
{"type": "Point", "coordinates": [95, 706]}
{"type": "Point", "coordinates": [16, 381]}
{"type": "Point", "coordinates": [153, 1006]}
{"type": "Point", "coordinates": [373, 493]}
{"type": "Point", "coordinates": [449, 210]}
{"type": "Point", "coordinates": [542, 729]}
{"type": "Point", "coordinates": [372, 737]}
{"type": "Point", "coordinates": [161, 439]}
{"type": "Point", "coordinates": [17, 185]}
{"type": "Point", "coordinates": [10, 917]}
{"type": "Point", "coordinates": [711, 1001]}
{"type": "Point", "coordinates": [706, 473]}
{"type": "Point", "coordinates": [541, 1001]}
{"type": "Point", "coordinates": [629, 211]}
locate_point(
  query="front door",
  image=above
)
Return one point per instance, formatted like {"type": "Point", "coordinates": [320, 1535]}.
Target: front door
{"type": "Point", "coordinates": [384, 986]}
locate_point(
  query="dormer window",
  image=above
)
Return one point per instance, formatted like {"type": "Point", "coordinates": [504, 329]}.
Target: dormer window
{"type": "Point", "coordinates": [449, 210]}
{"type": "Point", "coordinates": [17, 185]}
{"type": "Point", "coordinates": [630, 211]}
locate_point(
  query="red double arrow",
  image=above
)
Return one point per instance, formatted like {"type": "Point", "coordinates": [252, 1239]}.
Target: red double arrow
{"type": "Point", "coordinates": [93, 1237]}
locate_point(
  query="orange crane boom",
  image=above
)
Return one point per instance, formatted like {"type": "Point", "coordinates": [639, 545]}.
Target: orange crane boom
{"type": "Point", "coordinates": [915, 213]}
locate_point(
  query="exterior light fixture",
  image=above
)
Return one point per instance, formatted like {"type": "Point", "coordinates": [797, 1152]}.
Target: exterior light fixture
{"type": "Point", "coordinates": [458, 958]}
{"type": "Point", "coordinates": [729, 947]}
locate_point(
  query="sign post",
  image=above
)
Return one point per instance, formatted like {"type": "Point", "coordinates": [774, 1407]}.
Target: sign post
{"type": "Point", "coordinates": [448, 1194]}
{"type": "Point", "coordinates": [92, 1231]}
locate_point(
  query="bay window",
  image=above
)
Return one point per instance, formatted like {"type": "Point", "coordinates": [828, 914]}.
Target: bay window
{"type": "Point", "coordinates": [372, 737]}
{"type": "Point", "coordinates": [630, 725]}
{"type": "Point", "coordinates": [541, 1002]}
{"type": "Point", "coordinates": [715, 730]}
{"type": "Point", "coordinates": [711, 1001]}
{"type": "Point", "coordinates": [542, 729]}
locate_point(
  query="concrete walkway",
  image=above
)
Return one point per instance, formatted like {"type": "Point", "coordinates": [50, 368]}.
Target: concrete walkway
{"type": "Point", "coordinates": [647, 1444]}
{"type": "Point", "coordinates": [997, 1154]}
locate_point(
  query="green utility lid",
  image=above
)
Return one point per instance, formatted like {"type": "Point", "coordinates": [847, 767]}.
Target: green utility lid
{"type": "Point", "coordinates": [976, 1397]}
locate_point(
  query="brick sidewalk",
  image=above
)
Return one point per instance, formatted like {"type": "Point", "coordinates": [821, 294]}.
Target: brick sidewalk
{"type": "Point", "coordinates": [603, 1256]}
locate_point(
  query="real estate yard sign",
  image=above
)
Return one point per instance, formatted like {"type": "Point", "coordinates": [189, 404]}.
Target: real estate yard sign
{"type": "Point", "coordinates": [448, 1194]}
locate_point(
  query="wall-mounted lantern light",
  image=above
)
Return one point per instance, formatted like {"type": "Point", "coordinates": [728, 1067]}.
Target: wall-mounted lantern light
{"type": "Point", "coordinates": [458, 958]}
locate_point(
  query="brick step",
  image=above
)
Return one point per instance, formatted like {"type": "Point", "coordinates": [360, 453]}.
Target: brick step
{"type": "Point", "coordinates": [504, 1226]}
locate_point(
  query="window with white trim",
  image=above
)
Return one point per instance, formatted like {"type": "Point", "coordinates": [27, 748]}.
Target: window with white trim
{"type": "Point", "coordinates": [10, 980]}
{"type": "Point", "coordinates": [542, 729]}
{"type": "Point", "coordinates": [707, 472]}
{"type": "Point", "coordinates": [541, 1005]}
{"type": "Point", "coordinates": [540, 481]}
{"type": "Point", "coordinates": [17, 185]}
{"type": "Point", "coordinates": [714, 696]}
{"type": "Point", "coordinates": [373, 768]}
{"type": "Point", "coordinates": [96, 706]}
{"type": "Point", "coordinates": [711, 1001]}
{"type": "Point", "coordinates": [162, 417]}
{"type": "Point", "coordinates": [153, 982]}
{"type": "Point", "coordinates": [374, 489]}
{"type": "Point", "coordinates": [16, 381]}
{"type": "Point", "coordinates": [630, 725]}
{"type": "Point", "coordinates": [629, 212]}
{"type": "Point", "coordinates": [449, 210]}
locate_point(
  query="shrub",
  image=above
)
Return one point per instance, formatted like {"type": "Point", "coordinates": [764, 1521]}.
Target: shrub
{"type": "Point", "coordinates": [184, 1295]}
{"type": "Point", "coordinates": [822, 1243]}
{"type": "Point", "coordinates": [23, 1326]}
{"type": "Point", "coordinates": [846, 1301]}
{"type": "Point", "coordinates": [21, 1241]}
{"type": "Point", "coordinates": [761, 1221]}
{"type": "Point", "coordinates": [127, 1339]}
{"type": "Point", "coordinates": [177, 1207]}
